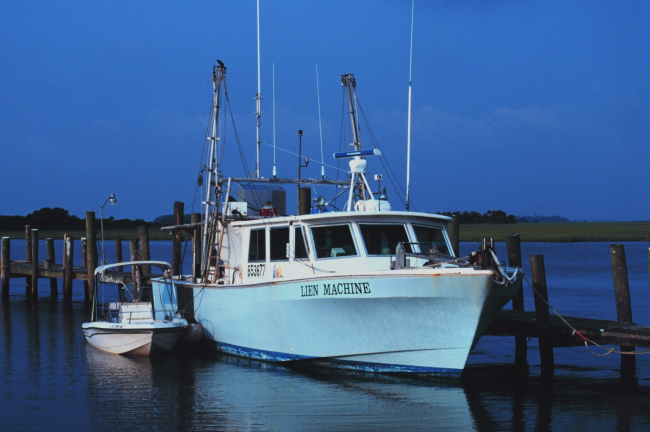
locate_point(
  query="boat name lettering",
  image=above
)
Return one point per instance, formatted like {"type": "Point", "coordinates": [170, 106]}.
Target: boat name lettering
{"type": "Point", "coordinates": [341, 288]}
{"type": "Point", "coordinates": [256, 270]}
{"type": "Point", "coordinates": [115, 326]}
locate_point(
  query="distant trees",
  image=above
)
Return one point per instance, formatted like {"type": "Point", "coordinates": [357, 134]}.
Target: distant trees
{"type": "Point", "coordinates": [489, 217]}
{"type": "Point", "coordinates": [60, 219]}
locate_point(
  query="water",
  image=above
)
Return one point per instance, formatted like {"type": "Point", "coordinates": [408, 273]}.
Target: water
{"type": "Point", "coordinates": [50, 378]}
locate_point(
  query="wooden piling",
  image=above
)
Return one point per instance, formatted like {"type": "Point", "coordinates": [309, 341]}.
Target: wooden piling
{"type": "Point", "coordinates": [49, 247]}
{"type": "Point", "coordinates": [196, 247]}
{"type": "Point", "coordinates": [513, 244]}
{"type": "Point", "coordinates": [119, 257]}
{"type": "Point", "coordinates": [454, 234]}
{"type": "Point", "coordinates": [34, 274]}
{"type": "Point", "coordinates": [92, 253]}
{"type": "Point", "coordinates": [84, 263]}
{"type": "Point", "coordinates": [179, 208]}
{"type": "Point", "coordinates": [67, 269]}
{"type": "Point", "coordinates": [28, 258]}
{"type": "Point", "coordinates": [133, 249]}
{"type": "Point", "coordinates": [538, 274]}
{"type": "Point", "coordinates": [623, 303]}
{"type": "Point", "coordinates": [4, 263]}
{"type": "Point", "coordinates": [144, 246]}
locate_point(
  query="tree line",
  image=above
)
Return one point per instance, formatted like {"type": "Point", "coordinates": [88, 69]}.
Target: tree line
{"type": "Point", "coordinates": [489, 217]}
{"type": "Point", "coordinates": [58, 219]}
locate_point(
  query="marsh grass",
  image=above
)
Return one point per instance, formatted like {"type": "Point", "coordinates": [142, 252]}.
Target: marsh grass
{"type": "Point", "coordinates": [560, 232]}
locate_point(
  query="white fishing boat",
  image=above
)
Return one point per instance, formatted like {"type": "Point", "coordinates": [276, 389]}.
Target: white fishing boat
{"type": "Point", "coordinates": [137, 320]}
{"type": "Point", "coordinates": [365, 288]}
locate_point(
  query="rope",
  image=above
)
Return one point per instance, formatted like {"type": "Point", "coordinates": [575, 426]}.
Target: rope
{"type": "Point", "coordinates": [586, 340]}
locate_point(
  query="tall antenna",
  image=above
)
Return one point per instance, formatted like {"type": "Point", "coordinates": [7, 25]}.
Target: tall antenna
{"type": "Point", "coordinates": [408, 139]}
{"type": "Point", "coordinates": [274, 173]}
{"type": "Point", "coordinates": [258, 95]}
{"type": "Point", "coordinates": [320, 127]}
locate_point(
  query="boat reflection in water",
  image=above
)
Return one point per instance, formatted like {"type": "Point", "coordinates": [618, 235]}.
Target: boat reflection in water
{"type": "Point", "coordinates": [219, 391]}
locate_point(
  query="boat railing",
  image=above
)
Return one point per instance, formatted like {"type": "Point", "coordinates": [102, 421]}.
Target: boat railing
{"type": "Point", "coordinates": [114, 314]}
{"type": "Point", "coordinates": [433, 258]}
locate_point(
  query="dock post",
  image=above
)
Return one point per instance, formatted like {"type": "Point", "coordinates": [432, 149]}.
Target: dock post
{"type": "Point", "coordinates": [144, 246]}
{"type": "Point", "coordinates": [34, 293]}
{"type": "Point", "coordinates": [196, 247]}
{"type": "Point", "coordinates": [623, 304]}
{"type": "Point", "coordinates": [91, 237]}
{"type": "Point", "coordinates": [28, 258]}
{"type": "Point", "coordinates": [119, 257]}
{"type": "Point", "coordinates": [454, 234]}
{"type": "Point", "coordinates": [49, 247]}
{"type": "Point", "coordinates": [6, 259]}
{"type": "Point", "coordinates": [179, 208]}
{"type": "Point", "coordinates": [133, 249]}
{"type": "Point", "coordinates": [538, 274]}
{"type": "Point", "coordinates": [513, 244]}
{"type": "Point", "coordinates": [67, 269]}
{"type": "Point", "coordinates": [84, 264]}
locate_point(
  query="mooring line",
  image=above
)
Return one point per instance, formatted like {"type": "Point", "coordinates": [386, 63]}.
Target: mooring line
{"type": "Point", "coordinates": [584, 338]}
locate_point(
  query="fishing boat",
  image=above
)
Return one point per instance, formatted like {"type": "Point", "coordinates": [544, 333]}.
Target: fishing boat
{"type": "Point", "coordinates": [364, 288]}
{"type": "Point", "coordinates": [139, 320]}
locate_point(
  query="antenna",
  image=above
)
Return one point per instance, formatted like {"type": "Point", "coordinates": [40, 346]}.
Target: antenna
{"type": "Point", "coordinates": [258, 95]}
{"type": "Point", "coordinates": [274, 173]}
{"type": "Point", "coordinates": [320, 127]}
{"type": "Point", "coordinates": [408, 139]}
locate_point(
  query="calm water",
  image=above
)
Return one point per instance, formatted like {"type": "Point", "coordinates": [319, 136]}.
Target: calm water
{"type": "Point", "coordinates": [50, 379]}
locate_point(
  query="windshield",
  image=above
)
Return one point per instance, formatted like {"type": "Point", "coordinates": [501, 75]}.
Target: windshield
{"type": "Point", "coordinates": [333, 241]}
{"type": "Point", "coordinates": [435, 235]}
{"type": "Point", "coordinates": [383, 239]}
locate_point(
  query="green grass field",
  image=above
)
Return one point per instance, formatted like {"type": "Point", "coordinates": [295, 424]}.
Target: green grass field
{"type": "Point", "coordinates": [529, 232]}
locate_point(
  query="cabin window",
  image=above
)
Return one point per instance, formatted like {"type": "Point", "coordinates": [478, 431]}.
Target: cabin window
{"type": "Point", "coordinates": [257, 245]}
{"type": "Point", "coordinates": [383, 239]}
{"type": "Point", "coordinates": [434, 235]}
{"type": "Point", "coordinates": [299, 241]}
{"type": "Point", "coordinates": [279, 244]}
{"type": "Point", "coordinates": [333, 241]}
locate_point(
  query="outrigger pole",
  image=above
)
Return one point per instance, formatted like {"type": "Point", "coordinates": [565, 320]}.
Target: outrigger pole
{"type": "Point", "coordinates": [408, 139]}
{"type": "Point", "coordinates": [258, 95]}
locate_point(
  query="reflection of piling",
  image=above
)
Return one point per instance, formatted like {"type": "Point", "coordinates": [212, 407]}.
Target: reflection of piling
{"type": "Point", "coordinates": [623, 304]}
{"type": "Point", "coordinates": [538, 275]}
{"type": "Point", "coordinates": [513, 244]}
{"type": "Point", "coordinates": [4, 267]}
{"type": "Point", "coordinates": [49, 247]}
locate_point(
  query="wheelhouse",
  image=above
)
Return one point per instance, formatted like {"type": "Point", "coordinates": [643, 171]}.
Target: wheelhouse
{"type": "Point", "coordinates": [292, 247]}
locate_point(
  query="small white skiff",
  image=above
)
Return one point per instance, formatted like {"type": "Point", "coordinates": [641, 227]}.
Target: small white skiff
{"type": "Point", "coordinates": [142, 321]}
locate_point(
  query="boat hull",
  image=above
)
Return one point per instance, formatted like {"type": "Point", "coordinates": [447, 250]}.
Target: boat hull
{"type": "Point", "coordinates": [417, 322]}
{"type": "Point", "coordinates": [134, 339]}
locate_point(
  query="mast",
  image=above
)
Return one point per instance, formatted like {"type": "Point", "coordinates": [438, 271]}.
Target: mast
{"type": "Point", "coordinates": [408, 139]}
{"type": "Point", "coordinates": [258, 95]}
{"type": "Point", "coordinates": [274, 172]}
{"type": "Point", "coordinates": [358, 182]}
{"type": "Point", "coordinates": [320, 128]}
{"type": "Point", "coordinates": [211, 165]}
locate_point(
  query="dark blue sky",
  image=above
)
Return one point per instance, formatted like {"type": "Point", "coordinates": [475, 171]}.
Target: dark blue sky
{"type": "Point", "coordinates": [531, 107]}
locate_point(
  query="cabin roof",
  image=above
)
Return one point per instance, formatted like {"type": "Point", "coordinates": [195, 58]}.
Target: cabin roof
{"type": "Point", "coordinates": [345, 215]}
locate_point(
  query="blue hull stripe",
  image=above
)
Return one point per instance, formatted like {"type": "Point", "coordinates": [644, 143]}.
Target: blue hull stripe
{"type": "Point", "coordinates": [272, 356]}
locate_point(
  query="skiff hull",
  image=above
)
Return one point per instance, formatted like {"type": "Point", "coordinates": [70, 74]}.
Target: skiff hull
{"type": "Point", "coordinates": [134, 339]}
{"type": "Point", "coordinates": [415, 322]}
